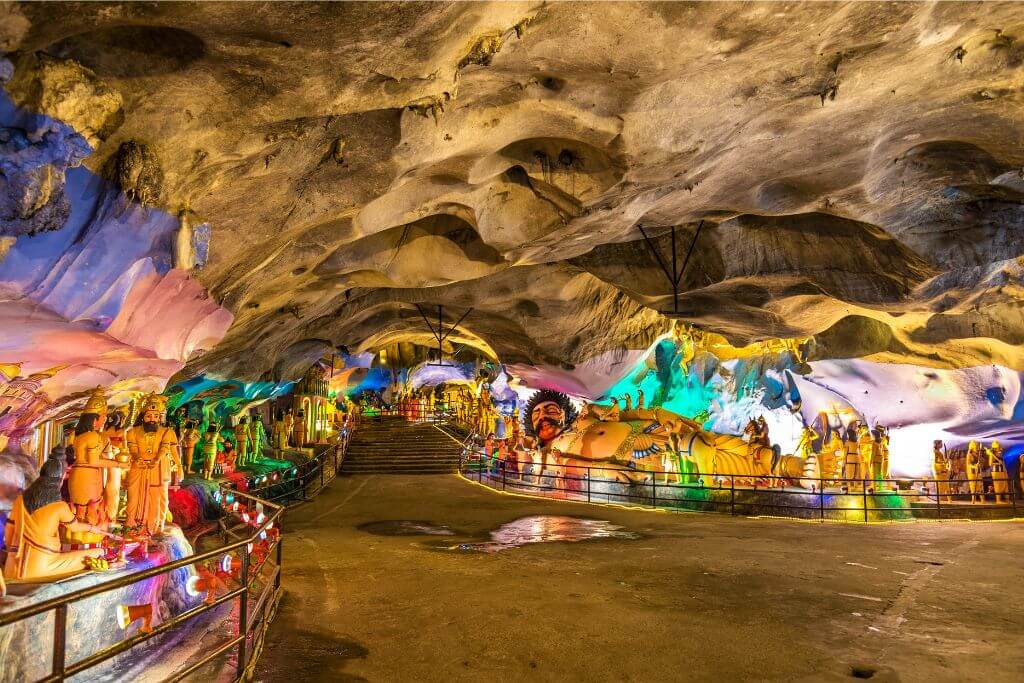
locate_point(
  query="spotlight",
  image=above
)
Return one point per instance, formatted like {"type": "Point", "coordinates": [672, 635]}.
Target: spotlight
{"type": "Point", "coordinates": [128, 614]}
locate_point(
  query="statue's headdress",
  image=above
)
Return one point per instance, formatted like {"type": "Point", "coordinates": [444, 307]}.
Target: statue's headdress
{"type": "Point", "coordinates": [97, 403]}
{"type": "Point", "coordinates": [154, 402]}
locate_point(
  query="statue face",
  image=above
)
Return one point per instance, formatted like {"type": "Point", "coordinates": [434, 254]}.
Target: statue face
{"type": "Point", "coordinates": [101, 421]}
{"type": "Point", "coordinates": [548, 420]}
{"type": "Point", "coordinates": [152, 416]}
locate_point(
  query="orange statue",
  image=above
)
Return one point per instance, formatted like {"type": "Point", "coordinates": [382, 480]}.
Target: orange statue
{"type": "Point", "coordinates": [91, 500]}
{"type": "Point", "coordinates": [154, 454]}
{"type": "Point", "coordinates": [32, 535]}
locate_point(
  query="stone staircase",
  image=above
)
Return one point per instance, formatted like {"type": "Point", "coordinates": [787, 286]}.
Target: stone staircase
{"type": "Point", "coordinates": [393, 445]}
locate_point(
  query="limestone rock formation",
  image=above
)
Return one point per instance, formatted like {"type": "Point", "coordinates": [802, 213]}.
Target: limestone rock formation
{"type": "Point", "coordinates": [857, 168]}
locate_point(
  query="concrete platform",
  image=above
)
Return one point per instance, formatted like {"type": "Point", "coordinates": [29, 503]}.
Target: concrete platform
{"type": "Point", "coordinates": [694, 597]}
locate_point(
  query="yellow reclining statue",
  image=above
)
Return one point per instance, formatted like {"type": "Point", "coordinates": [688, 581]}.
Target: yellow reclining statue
{"type": "Point", "coordinates": [628, 445]}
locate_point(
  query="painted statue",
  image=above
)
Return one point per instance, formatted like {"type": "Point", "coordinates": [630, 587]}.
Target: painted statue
{"type": "Point", "coordinates": [93, 458]}
{"type": "Point", "coordinates": [299, 429]}
{"type": "Point", "coordinates": [208, 447]}
{"type": "Point", "coordinates": [256, 436]}
{"type": "Point", "coordinates": [974, 482]}
{"type": "Point", "coordinates": [866, 450]}
{"type": "Point", "coordinates": [154, 450]}
{"type": "Point", "coordinates": [116, 435]}
{"type": "Point", "coordinates": [941, 470]}
{"type": "Point", "coordinates": [289, 423]}
{"type": "Point", "coordinates": [242, 442]}
{"type": "Point", "coordinates": [32, 534]}
{"type": "Point", "coordinates": [1000, 480]}
{"type": "Point", "coordinates": [279, 435]}
{"type": "Point", "coordinates": [189, 440]}
{"type": "Point", "coordinates": [628, 444]}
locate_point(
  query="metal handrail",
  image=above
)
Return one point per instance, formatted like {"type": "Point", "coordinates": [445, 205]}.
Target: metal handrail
{"type": "Point", "coordinates": [60, 668]}
{"type": "Point", "coordinates": [307, 473]}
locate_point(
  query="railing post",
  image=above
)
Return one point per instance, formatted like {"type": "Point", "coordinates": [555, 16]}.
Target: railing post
{"type": "Point", "coordinates": [938, 500]}
{"type": "Point", "coordinates": [821, 500]}
{"type": "Point", "coordinates": [654, 489]}
{"type": "Point", "coordinates": [243, 612]}
{"type": "Point", "coordinates": [588, 484]}
{"type": "Point", "coordinates": [60, 620]}
{"type": "Point", "coordinates": [504, 468]}
{"type": "Point", "coordinates": [280, 542]}
{"type": "Point", "coordinates": [864, 492]}
{"type": "Point", "coordinates": [1013, 495]}
{"type": "Point", "coordinates": [732, 496]}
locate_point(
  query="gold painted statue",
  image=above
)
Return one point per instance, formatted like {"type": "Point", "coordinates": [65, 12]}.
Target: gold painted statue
{"type": "Point", "coordinates": [242, 442]}
{"type": "Point", "coordinates": [32, 533]}
{"type": "Point", "coordinates": [279, 435]}
{"type": "Point", "coordinates": [941, 470]}
{"type": "Point", "coordinates": [1000, 480]}
{"type": "Point", "coordinates": [299, 430]}
{"type": "Point", "coordinates": [87, 483]}
{"type": "Point", "coordinates": [974, 482]}
{"type": "Point", "coordinates": [189, 440]}
{"type": "Point", "coordinates": [628, 444]}
{"type": "Point", "coordinates": [154, 450]}
{"type": "Point", "coordinates": [866, 448]}
{"type": "Point", "coordinates": [208, 447]}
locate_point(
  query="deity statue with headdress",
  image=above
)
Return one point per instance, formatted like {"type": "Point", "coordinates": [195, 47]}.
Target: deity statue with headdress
{"type": "Point", "coordinates": [87, 481]}
{"type": "Point", "coordinates": [154, 454]}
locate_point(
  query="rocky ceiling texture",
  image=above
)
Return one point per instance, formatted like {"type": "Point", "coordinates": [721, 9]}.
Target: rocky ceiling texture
{"type": "Point", "coordinates": [858, 168]}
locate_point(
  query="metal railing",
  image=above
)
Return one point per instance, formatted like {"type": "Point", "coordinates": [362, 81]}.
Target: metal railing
{"type": "Point", "coordinates": [826, 498]}
{"type": "Point", "coordinates": [321, 468]}
{"type": "Point", "coordinates": [253, 619]}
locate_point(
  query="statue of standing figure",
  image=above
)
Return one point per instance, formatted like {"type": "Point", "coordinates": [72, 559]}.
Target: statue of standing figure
{"type": "Point", "coordinates": [154, 451]}
{"type": "Point", "coordinates": [242, 442]}
{"type": "Point", "coordinates": [975, 484]}
{"type": "Point", "coordinates": [87, 482]}
{"type": "Point", "coordinates": [280, 436]}
{"type": "Point", "coordinates": [189, 439]}
{"type": "Point", "coordinates": [1000, 480]}
{"type": "Point", "coordinates": [941, 470]}
{"type": "Point", "coordinates": [256, 436]}
{"type": "Point", "coordinates": [209, 445]}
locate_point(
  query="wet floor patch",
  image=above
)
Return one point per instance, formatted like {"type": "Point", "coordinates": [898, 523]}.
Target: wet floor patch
{"type": "Point", "coordinates": [543, 529]}
{"type": "Point", "coordinates": [405, 527]}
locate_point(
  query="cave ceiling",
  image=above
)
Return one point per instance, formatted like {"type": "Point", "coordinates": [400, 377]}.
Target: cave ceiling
{"type": "Point", "coordinates": [856, 169]}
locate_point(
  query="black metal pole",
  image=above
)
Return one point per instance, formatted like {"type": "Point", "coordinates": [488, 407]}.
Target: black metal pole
{"type": "Point", "coordinates": [60, 620]}
{"type": "Point", "coordinates": [243, 612]}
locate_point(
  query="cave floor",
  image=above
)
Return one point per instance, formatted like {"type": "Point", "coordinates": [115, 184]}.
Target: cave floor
{"type": "Point", "coordinates": [691, 597]}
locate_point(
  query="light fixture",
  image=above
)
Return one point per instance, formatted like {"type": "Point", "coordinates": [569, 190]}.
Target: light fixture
{"type": "Point", "coordinates": [128, 614]}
